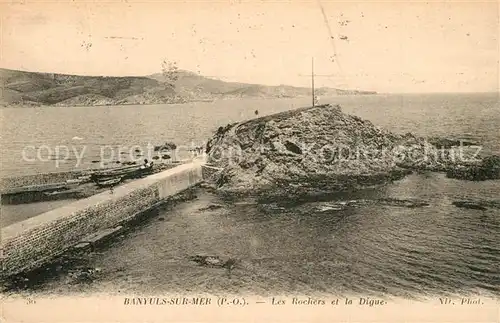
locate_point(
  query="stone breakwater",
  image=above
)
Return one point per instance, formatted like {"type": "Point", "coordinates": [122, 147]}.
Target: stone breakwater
{"type": "Point", "coordinates": [320, 150]}
{"type": "Point", "coordinates": [31, 243]}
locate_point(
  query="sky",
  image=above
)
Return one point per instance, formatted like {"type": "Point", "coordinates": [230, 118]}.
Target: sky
{"type": "Point", "coordinates": [380, 46]}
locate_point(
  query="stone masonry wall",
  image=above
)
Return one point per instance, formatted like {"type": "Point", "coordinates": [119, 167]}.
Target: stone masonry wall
{"type": "Point", "coordinates": [210, 173]}
{"type": "Point", "coordinates": [35, 241]}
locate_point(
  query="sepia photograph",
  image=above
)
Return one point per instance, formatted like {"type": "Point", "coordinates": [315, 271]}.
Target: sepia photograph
{"type": "Point", "coordinates": [293, 160]}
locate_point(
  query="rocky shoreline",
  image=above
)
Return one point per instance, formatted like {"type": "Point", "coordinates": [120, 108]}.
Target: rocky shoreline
{"type": "Point", "coordinates": [487, 169]}
{"type": "Point", "coordinates": [321, 150]}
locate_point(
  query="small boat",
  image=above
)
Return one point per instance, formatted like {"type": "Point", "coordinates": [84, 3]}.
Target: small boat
{"type": "Point", "coordinates": [62, 194]}
{"type": "Point", "coordinates": [54, 193]}
{"type": "Point", "coordinates": [134, 171]}
{"type": "Point", "coordinates": [109, 182]}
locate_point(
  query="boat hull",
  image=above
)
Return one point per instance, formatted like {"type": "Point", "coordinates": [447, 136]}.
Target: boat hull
{"type": "Point", "coordinates": [109, 182]}
{"type": "Point", "coordinates": [124, 173]}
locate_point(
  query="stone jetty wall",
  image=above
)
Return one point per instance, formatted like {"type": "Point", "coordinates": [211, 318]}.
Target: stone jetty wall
{"type": "Point", "coordinates": [31, 243]}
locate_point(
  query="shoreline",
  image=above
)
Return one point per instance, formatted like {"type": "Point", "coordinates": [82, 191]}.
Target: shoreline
{"type": "Point", "coordinates": [17, 105]}
{"type": "Point", "coordinates": [381, 94]}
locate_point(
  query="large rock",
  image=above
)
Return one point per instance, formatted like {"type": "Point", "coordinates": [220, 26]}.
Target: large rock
{"type": "Point", "coordinates": [319, 150]}
{"type": "Point", "coordinates": [477, 204]}
{"type": "Point", "coordinates": [448, 143]}
{"type": "Point", "coordinates": [307, 151]}
{"type": "Point", "coordinates": [487, 169]}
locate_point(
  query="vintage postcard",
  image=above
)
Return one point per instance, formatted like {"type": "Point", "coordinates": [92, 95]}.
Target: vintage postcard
{"type": "Point", "coordinates": [261, 161]}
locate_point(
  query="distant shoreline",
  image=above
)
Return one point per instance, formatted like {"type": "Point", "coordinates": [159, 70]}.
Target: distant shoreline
{"type": "Point", "coordinates": [32, 105]}
{"type": "Point", "coordinates": [22, 88]}
{"type": "Point", "coordinates": [28, 105]}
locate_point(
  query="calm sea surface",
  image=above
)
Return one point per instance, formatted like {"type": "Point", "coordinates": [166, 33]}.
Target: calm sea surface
{"type": "Point", "coordinates": [302, 249]}
{"type": "Point", "coordinates": [30, 137]}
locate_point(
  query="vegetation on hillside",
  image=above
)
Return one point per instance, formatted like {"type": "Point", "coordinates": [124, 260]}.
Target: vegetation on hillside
{"type": "Point", "coordinates": [171, 86]}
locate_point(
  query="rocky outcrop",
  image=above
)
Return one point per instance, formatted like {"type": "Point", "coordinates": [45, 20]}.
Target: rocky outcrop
{"type": "Point", "coordinates": [321, 150]}
{"type": "Point", "coordinates": [487, 169]}
{"type": "Point", "coordinates": [211, 207]}
{"type": "Point", "coordinates": [214, 261]}
{"type": "Point", "coordinates": [408, 203]}
{"type": "Point", "coordinates": [312, 151]}
{"type": "Point", "coordinates": [448, 143]}
{"type": "Point", "coordinates": [477, 204]}
{"type": "Point", "coordinates": [86, 100]}
{"type": "Point", "coordinates": [168, 146]}
{"type": "Point", "coordinates": [342, 205]}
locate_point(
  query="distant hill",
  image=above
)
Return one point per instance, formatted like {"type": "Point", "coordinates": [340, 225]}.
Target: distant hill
{"type": "Point", "coordinates": [31, 88]}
